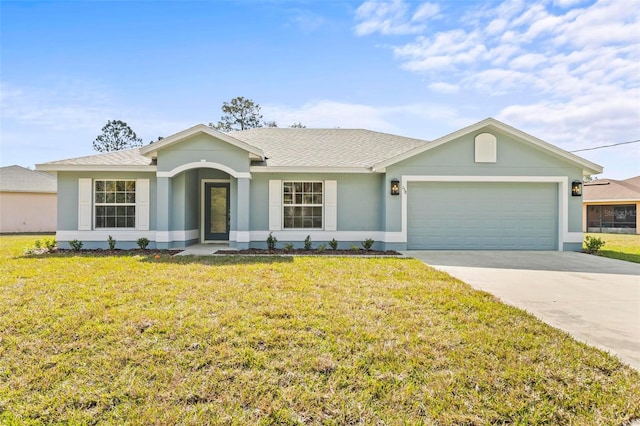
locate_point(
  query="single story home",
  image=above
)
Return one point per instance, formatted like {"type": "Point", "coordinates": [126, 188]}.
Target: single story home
{"type": "Point", "coordinates": [27, 200]}
{"type": "Point", "coordinates": [486, 186]}
{"type": "Point", "coordinates": [611, 206]}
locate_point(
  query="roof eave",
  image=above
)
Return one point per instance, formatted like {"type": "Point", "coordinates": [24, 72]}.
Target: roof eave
{"type": "Point", "coordinates": [47, 167]}
{"type": "Point", "coordinates": [302, 169]}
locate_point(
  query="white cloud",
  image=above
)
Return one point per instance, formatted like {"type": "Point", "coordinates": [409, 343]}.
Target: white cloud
{"type": "Point", "coordinates": [569, 72]}
{"type": "Point", "coordinates": [443, 87]}
{"type": "Point", "coordinates": [392, 17]}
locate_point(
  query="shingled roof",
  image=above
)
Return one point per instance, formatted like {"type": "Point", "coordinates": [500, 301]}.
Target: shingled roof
{"type": "Point", "coordinates": [19, 179]}
{"type": "Point", "coordinates": [294, 147]}
{"type": "Point", "coordinates": [611, 190]}
{"type": "Point", "coordinates": [332, 148]}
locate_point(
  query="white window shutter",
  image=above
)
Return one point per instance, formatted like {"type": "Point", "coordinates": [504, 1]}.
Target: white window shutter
{"type": "Point", "coordinates": [84, 204]}
{"type": "Point", "coordinates": [330, 205]}
{"type": "Point", "coordinates": [142, 204]}
{"type": "Point", "coordinates": [275, 205]}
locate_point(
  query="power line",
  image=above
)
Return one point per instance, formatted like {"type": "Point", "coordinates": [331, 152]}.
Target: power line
{"type": "Point", "coordinates": [606, 146]}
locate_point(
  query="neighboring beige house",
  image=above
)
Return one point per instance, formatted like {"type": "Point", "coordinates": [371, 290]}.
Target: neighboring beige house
{"type": "Point", "coordinates": [27, 200]}
{"type": "Point", "coordinates": [611, 206]}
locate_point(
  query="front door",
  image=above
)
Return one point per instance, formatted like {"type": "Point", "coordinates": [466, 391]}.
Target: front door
{"type": "Point", "coordinates": [216, 211]}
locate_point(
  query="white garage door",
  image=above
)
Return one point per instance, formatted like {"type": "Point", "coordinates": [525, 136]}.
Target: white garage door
{"type": "Point", "coordinates": [482, 216]}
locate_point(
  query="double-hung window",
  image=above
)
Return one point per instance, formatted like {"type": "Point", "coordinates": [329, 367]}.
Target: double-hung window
{"type": "Point", "coordinates": [302, 204]}
{"type": "Point", "coordinates": [115, 203]}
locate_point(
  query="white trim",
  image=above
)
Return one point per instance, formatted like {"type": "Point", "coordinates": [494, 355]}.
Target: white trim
{"type": "Point", "coordinates": [102, 235]}
{"type": "Point", "coordinates": [206, 165]}
{"type": "Point", "coordinates": [171, 236]}
{"type": "Point", "coordinates": [316, 235]}
{"type": "Point", "coordinates": [92, 168]}
{"type": "Point", "coordinates": [626, 201]}
{"type": "Point", "coordinates": [573, 237]}
{"type": "Point", "coordinates": [192, 131]}
{"type": "Point", "coordinates": [85, 204]}
{"type": "Point", "coordinates": [299, 169]}
{"type": "Point", "coordinates": [202, 185]}
{"type": "Point", "coordinates": [330, 213]}
{"type": "Point", "coordinates": [142, 204]}
{"type": "Point", "coordinates": [587, 166]}
{"type": "Point", "coordinates": [563, 196]}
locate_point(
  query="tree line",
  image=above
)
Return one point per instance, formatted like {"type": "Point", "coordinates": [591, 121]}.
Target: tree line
{"type": "Point", "coordinates": [238, 114]}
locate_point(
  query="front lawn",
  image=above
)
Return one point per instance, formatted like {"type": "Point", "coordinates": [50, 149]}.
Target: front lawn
{"type": "Point", "coordinates": [269, 340]}
{"type": "Point", "coordinates": [620, 246]}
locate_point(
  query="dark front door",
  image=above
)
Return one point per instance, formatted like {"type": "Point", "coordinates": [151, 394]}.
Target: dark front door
{"type": "Point", "coordinates": [216, 211]}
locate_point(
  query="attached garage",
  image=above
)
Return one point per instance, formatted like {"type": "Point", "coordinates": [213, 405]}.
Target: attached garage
{"type": "Point", "coordinates": [482, 215]}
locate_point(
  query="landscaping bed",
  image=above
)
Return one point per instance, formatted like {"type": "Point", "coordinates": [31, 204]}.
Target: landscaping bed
{"type": "Point", "coordinates": [303, 252]}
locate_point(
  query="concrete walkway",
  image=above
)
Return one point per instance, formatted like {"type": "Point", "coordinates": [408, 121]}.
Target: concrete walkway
{"type": "Point", "coordinates": [595, 299]}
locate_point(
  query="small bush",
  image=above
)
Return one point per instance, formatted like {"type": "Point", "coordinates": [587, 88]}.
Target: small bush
{"type": "Point", "coordinates": [271, 242]}
{"type": "Point", "coordinates": [367, 244]}
{"type": "Point", "coordinates": [37, 244]}
{"type": "Point", "coordinates": [354, 248]}
{"type": "Point", "coordinates": [307, 243]}
{"type": "Point", "coordinates": [50, 244]}
{"type": "Point", "coordinates": [143, 243]}
{"type": "Point", "coordinates": [333, 244]}
{"type": "Point", "coordinates": [288, 247]}
{"type": "Point", "coordinates": [592, 244]}
{"type": "Point", "coordinates": [75, 245]}
{"type": "Point", "coordinates": [111, 242]}
{"type": "Point", "coordinates": [321, 248]}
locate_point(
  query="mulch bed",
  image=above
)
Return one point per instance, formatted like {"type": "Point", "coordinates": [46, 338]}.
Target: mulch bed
{"type": "Point", "coordinates": [117, 252]}
{"type": "Point", "coordinates": [313, 252]}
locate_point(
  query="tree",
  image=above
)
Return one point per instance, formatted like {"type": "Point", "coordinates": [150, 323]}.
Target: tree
{"type": "Point", "coordinates": [239, 114]}
{"type": "Point", "coordinates": [298, 125]}
{"type": "Point", "coordinates": [271, 123]}
{"type": "Point", "coordinates": [116, 135]}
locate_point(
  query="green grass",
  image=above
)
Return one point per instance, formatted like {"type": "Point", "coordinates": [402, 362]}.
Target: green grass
{"type": "Point", "coordinates": [620, 246]}
{"type": "Point", "coordinates": [238, 340]}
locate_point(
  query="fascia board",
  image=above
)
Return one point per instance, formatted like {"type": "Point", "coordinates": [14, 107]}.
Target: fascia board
{"type": "Point", "coordinates": [282, 169]}
{"type": "Point", "coordinates": [93, 168]}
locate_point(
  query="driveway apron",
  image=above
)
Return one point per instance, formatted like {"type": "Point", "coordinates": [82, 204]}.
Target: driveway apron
{"type": "Point", "coordinates": [595, 299]}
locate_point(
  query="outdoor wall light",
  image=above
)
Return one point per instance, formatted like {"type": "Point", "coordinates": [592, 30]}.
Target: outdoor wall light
{"type": "Point", "coordinates": [395, 186]}
{"type": "Point", "coordinates": [576, 188]}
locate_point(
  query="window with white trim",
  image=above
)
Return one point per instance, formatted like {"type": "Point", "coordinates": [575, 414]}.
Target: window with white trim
{"type": "Point", "coordinates": [302, 205]}
{"type": "Point", "coordinates": [115, 203]}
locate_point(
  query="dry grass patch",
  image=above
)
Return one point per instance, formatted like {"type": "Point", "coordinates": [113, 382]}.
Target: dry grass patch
{"type": "Point", "coordinates": [134, 339]}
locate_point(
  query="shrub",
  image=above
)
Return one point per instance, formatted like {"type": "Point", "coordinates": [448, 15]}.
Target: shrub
{"type": "Point", "coordinates": [307, 243]}
{"type": "Point", "coordinates": [75, 245]}
{"type": "Point", "coordinates": [143, 243]}
{"type": "Point", "coordinates": [354, 248]}
{"type": "Point", "coordinates": [50, 244]}
{"type": "Point", "coordinates": [288, 247]}
{"type": "Point", "coordinates": [37, 244]}
{"type": "Point", "coordinates": [367, 244]}
{"type": "Point", "coordinates": [111, 242]}
{"type": "Point", "coordinates": [333, 244]}
{"type": "Point", "coordinates": [592, 244]}
{"type": "Point", "coordinates": [321, 248]}
{"type": "Point", "coordinates": [271, 242]}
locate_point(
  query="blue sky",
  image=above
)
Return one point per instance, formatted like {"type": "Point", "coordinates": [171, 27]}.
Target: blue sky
{"type": "Point", "coordinates": [566, 71]}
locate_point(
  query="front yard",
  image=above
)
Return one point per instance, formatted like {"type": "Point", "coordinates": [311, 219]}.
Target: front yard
{"type": "Point", "coordinates": [269, 340]}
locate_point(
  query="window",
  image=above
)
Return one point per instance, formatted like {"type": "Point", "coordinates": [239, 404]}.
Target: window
{"type": "Point", "coordinates": [302, 202]}
{"type": "Point", "coordinates": [115, 203]}
{"type": "Point", "coordinates": [611, 218]}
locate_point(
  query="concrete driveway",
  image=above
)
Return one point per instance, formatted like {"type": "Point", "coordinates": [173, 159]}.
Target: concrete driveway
{"type": "Point", "coordinates": [595, 299]}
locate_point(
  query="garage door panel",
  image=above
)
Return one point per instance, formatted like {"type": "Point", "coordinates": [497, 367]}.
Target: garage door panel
{"type": "Point", "coordinates": [493, 216]}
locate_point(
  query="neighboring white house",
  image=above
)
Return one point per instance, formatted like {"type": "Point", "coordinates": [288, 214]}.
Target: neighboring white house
{"type": "Point", "coordinates": [27, 200]}
{"type": "Point", "coordinates": [611, 206]}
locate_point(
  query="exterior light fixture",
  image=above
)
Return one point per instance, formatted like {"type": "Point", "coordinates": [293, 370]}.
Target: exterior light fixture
{"type": "Point", "coordinates": [576, 188]}
{"type": "Point", "coordinates": [395, 186]}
